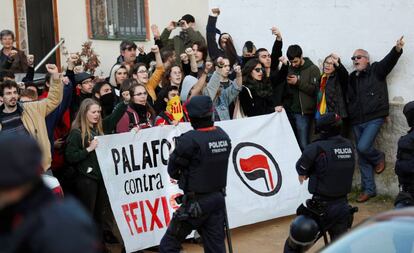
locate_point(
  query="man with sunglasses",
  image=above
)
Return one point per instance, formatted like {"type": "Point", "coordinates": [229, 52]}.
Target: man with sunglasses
{"type": "Point", "coordinates": [368, 107]}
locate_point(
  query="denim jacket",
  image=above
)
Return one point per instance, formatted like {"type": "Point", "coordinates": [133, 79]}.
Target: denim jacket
{"type": "Point", "coordinates": [227, 96]}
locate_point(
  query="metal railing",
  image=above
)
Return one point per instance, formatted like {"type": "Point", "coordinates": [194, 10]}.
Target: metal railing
{"type": "Point", "coordinates": [49, 54]}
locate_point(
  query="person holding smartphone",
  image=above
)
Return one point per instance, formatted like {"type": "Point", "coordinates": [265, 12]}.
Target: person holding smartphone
{"type": "Point", "coordinates": [299, 98]}
{"type": "Point", "coordinates": [187, 37]}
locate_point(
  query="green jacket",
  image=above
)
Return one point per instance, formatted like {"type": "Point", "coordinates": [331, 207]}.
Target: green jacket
{"type": "Point", "coordinates": [301, 98]}
{"type": "Point", "coordinates": [76, 154]}
{"type": "Point", "coordinates": [180, 42]}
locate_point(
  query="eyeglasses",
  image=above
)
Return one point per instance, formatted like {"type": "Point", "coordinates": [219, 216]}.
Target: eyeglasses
{"type": "Point", "coordinates": [142, 71]}
{"type": "Point", "coordinates": [140, 94]}
{"type": "Point", "coordinates": [258, 70]}
{"type": "Point", "coordinates": [357, 57]}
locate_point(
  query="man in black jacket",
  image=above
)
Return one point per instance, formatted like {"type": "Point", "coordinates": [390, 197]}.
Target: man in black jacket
{"type": "Point", "coordinates": [368, 106]}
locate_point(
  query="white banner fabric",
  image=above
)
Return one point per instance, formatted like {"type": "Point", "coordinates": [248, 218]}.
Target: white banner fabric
{"type": "Point", "coordinates": [262, 182]}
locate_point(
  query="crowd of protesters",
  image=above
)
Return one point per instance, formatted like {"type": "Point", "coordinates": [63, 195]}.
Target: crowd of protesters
{"type": "Point", "coordinates": [148, 89]}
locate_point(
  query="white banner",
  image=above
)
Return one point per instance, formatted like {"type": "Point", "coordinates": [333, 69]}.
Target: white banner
{"type": "Point", "coordinates": [262, 182]}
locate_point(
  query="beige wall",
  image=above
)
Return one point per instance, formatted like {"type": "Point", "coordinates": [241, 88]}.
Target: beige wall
{"type": "Point", "coordinates": [73, 25]}
{"type": "Point", "coordinates": [6, 15]}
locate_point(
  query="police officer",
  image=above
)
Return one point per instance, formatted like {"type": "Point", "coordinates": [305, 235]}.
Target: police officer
{"type": "Point", "coordinates": [199, 163]}
{"type": "Point", "coordinates": [32, 219]}
{"type": "Point", "coordinates": [404, 166]}
{"type": "Point", "coordinates": [329, 164]}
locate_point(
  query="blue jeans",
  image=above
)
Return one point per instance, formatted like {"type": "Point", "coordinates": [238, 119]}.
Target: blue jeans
{"type": "Point", "coordinates": [368, 156]}
{"type": "Point", "coordinates": [301, 125]}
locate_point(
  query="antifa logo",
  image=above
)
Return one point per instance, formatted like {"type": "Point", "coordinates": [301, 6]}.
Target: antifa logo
{"type": "Point", "coordinates": [257, 169]}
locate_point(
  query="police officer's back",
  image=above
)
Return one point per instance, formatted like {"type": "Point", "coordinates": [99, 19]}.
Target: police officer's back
{"type": "Point", "coordinates": [404, 166]}
{"type": "Point", "coordinates": [199, 163]}
{"type": "Point", "coordinates": [32, 219]}
{"type": "Point", "coordinates": [329, 164]}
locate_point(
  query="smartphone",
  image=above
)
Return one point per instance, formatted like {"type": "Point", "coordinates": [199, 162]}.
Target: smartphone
{"type": "Point", "coordinates": [176, 24]}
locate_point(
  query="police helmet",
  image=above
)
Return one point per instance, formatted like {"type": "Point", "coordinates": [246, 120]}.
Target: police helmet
{"type": "Point", "coordinates": [328, 122]}
{"type": "Point", "coordinates": [21, 158]}
{"type": "Point", "coordinates": [409, 113]}
{"type": "Point", "coordinates": [303, 232]}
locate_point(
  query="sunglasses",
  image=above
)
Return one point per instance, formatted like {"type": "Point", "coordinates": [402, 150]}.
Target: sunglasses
{"type": "Point", "coordinates": [140, 93]}
{"type": "Point", "coordinates": [357, 57]}
{"type": "Point", "coordinates": [258, 70]}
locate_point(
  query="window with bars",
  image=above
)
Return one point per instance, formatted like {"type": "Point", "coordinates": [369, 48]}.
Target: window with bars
{"type": "Point", "coordinates": [117, 19]}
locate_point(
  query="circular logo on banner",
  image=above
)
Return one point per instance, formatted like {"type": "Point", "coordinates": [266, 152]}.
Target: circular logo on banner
{"type": "Point", "coordinates": [257, 168]}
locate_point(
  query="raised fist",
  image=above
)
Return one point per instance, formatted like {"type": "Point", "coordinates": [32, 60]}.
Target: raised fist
{"type": "Point", "coordinates": [335, 58]}
{"type": "Point", "coordinates": [208, 67]}
{"type": "Point", "coordinates": [52, 69]}
{"type": "Point", "coordinates": [284, 60]}
{"type": "Point", "coordinates": [215, 11]}
{"type": "Point", "coordinates": [141, 49]}
{"type": "Point", "coordinates": [155, 31]}
{"type": "Point", "coordinates": [237, 68]}
{"type": "Point", "coordinates": [276, 31]}
{"type": "Point", "coordinates": [189, 51]}
{"type": "Point", "coordinates": [184, 57]}
{"type": "Point", "coordinates": [73, 58]}
{"type": "Point", "coordinates": [155, 49]}
{"type": "Point", "coordinates": [172, 25]}
{"type": "Point", "coordinates": [220, 62]}
{"type": "Point", "coordinates": [30, 60]}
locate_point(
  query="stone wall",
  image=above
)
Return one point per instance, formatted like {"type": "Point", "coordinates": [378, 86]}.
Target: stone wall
{"type": "Point", "coordinates": [386, 141]}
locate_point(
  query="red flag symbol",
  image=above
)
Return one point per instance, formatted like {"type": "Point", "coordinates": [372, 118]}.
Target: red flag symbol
{"type": "Point", "coordinates": [255, 167]}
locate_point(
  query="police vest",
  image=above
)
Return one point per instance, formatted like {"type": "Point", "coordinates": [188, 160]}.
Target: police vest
{"type": "Point", "coordinates": [207, 171]}
{"type": "Point", "coordinates": [333, 168]}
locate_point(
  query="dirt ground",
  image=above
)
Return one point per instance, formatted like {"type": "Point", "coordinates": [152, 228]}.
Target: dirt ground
{"type": "Point", "coordinates": [270, 236]}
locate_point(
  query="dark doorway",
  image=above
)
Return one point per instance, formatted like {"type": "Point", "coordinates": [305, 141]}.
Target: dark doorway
{"type": "Point", "coordinates": [40, 30]}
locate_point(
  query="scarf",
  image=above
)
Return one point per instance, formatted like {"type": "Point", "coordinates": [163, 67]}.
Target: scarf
{"type": "Point", "coordinates": [321, 108]}
{"type": "Point", "coordinates": [141, 110]}
{"type": "Point", "coordinates": [262, 89]}
{"type": "Point", "coordinates": [174, 108]}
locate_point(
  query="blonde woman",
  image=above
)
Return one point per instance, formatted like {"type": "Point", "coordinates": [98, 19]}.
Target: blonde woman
{"type": "Point", "coordinates": [80, 153]}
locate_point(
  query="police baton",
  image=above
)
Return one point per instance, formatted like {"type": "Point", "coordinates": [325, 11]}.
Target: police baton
{"type": "Point", "coordinates": [226, 225]}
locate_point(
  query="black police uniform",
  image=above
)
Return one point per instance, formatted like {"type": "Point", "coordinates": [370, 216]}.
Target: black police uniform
{"type": "Point", "coordinates": [404, 166]}
{"type": "Point", "coordinates": [199, 162]}
{"type": "Point", "coordinates": [329, 163]}
{"type": "Point", "coordinates": [38, 222]}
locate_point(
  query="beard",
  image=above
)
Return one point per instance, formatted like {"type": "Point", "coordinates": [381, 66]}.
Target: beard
{"type": "Point", "coordinates": [11, 104]}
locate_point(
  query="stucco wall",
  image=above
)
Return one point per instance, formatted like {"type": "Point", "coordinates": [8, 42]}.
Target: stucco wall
{"type": "Point", "coordinates": [72, 25]}
{"type": "Point", "coordinates": [6, 15]}
{"type": "Point", "coordinates": [325, 26]}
